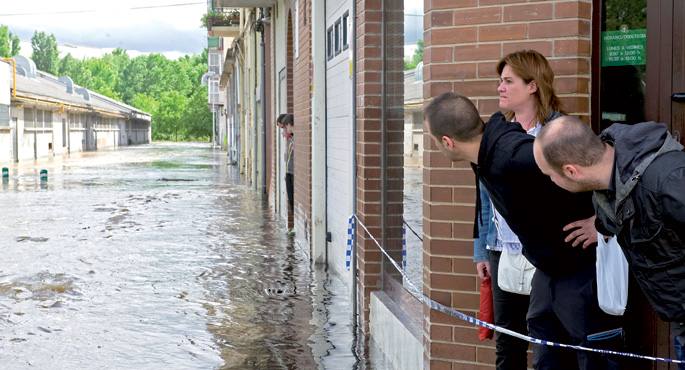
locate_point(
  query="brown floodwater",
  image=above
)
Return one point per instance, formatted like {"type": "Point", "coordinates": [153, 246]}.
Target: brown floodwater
{"type": "Point", "coordinates": [157, 257]}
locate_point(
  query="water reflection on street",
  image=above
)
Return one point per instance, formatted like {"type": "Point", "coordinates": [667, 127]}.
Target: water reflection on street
{"type": "Point", "coordinates": [157, 257]}
{"type": "Point", "coordinates": [413, 216]}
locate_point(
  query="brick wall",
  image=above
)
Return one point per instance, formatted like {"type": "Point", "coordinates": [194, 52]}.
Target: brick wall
{"type": "Point", "coordinates": [368, 107]}
{"type": "Point", "coordinates": [393, 96]}
{"type": "Point", "coordinates": [464, 40]}
{"type": "Point", "coordinates": [368, 43]}
{"type": "Point", "coordinates": [302, 104]}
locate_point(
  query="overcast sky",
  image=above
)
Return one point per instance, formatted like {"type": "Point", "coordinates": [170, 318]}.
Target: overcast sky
{"type": "Point", "coordinates": [87, 28]}
{"type": "Point", "coordinates": [91, 27]}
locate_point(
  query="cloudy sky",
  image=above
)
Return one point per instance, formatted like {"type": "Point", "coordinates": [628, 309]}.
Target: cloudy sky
{"type": "Point", "coordinates": [91, 27]}
{"type": "Point", "coordinates": [87, 28]}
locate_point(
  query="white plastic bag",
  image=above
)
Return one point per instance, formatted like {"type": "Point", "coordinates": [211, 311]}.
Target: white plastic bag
{"type": "Point", "coordinates": [612, 276]}
{"type": "Point", "coordinates": [515, 273]}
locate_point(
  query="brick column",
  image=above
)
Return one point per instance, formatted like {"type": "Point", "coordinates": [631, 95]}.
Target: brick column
{"type": "Point", "coordinates": [368, 182]}
{"type": "Point", "coordinates": [302, 106]}
{"type": "Point", "coordinates": [372, 96]}
{"type": "Point", "coordinates": [393, 18]}
{"type": "Point", "coordinates": [464, 40]}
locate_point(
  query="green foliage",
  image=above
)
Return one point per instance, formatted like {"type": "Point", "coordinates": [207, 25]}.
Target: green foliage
{"type": "Point", "coordinates": [45, 53]}
{"type": "Point", "coordinates": [169, 90]}
{"type": "Point", "coordinates": [9, 43]}
{"type": "Point", "coordinates": [215, 18]}
{"type": "Point", "coordinates": [629, 14]}
{"type": "Point", "coordinates": [416, 58]}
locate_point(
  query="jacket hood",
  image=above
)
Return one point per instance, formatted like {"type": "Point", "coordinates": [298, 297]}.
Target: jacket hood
{"type": "Point", "coordinates": [634, 144]}
{"type": "Point", "coordinates": [635, 147]}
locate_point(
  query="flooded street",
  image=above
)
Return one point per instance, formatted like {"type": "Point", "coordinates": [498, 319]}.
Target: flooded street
{"type": "Point", "coordinates": [157, 257]}
{"type": "Point", "coordinates": [413, 216]}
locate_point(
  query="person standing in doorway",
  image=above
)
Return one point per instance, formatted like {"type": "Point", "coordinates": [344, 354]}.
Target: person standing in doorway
{"type": "Point", "coordinates": [637, 173]}
{"type": "Point", "coordinates": [289, 124]}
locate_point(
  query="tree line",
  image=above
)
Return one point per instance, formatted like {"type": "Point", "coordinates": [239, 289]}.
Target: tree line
{"type": "Point", "coordinates": [170, 90]}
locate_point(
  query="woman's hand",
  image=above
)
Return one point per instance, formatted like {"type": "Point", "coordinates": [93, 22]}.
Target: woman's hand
{"type": "Point", "coordinates": [483, 269]}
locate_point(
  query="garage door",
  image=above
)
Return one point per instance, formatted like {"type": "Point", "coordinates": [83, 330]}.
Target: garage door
{"type": "Point", "coordinates": [339, 155]}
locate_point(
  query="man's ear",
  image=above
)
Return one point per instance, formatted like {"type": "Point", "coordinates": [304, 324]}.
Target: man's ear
{"type": "Point", "coordinates": [570, 171]}
{"type": "Point", "coordinates": [447, 142]}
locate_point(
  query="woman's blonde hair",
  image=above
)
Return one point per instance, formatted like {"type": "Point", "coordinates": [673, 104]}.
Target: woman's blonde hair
{"type": "Point", "coordinates": [530, 65]}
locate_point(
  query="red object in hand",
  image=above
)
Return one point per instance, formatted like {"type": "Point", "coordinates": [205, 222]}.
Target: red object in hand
{"type": "Point", "coordinates": [487, 313]}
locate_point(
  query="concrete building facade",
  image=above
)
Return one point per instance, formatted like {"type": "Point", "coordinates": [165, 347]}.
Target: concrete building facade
{"type": "Point", "coordinates": [44, 116]}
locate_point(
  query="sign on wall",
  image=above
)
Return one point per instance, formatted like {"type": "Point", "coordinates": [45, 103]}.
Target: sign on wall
{"type": "Point", "coordinates": [622, 48]}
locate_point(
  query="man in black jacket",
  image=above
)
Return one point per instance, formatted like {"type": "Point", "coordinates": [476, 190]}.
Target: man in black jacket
{"type": "Point", "coordinates": [563, 305]}
{"type": "Point", "coordinates": [638, 175]}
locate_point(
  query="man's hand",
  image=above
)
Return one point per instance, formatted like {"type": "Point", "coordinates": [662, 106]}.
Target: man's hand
{"type": "Point", "coordinates": [483, 269]}
{"type": "Point", "coordinates": [584, 232]}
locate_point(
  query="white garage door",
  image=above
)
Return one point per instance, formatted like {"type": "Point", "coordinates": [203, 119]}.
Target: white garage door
{"type": "Point", "coordinates": [339, 127]}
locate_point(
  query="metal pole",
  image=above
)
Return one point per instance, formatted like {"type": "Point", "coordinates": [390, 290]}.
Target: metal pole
{"type": "Point", "coordinates": [353, 50]}
{"type": "Point", "coordinates": [263, 98]}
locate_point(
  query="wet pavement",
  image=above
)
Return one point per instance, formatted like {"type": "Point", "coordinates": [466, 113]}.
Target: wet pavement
{"type": "Point", "coordinates": [157, 257]}
{"type": "Point", "coordinates": [413, 216]}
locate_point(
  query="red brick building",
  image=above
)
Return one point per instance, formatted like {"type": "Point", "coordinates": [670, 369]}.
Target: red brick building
{"type": "Point", "coordinates": [355, 51]}
{"type": "Point", "coordinates": [464, 40]}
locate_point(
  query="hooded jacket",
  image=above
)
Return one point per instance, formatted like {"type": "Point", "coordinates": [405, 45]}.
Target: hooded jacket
{"type": "Point", "coordinates": [534, 207]}
{"type": "Point", "coordinates": [645, 207]}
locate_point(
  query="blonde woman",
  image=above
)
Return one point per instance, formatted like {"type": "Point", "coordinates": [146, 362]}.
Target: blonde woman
{"type": "Point", "coordinates": [526, 96]}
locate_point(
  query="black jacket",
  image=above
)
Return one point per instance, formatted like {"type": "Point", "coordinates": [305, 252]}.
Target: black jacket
{"type": "Point", "coordinates": [645, 208]}
{"type": "Point", "coordinates": [533, 206]}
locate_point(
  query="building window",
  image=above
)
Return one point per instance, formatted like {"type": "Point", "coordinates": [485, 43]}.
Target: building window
{"type": "Point", "coordinates": [623, 62]}
{"type": "Point", "coordinates": [215, 62]}
{"type": "Point", "coordinates": [28, 117]}
{"type": "Point", "coordinates": [330, 53]}
{"type": "Point", "coordinates": [47, 119]}
{"type": "Point", "coordinates": [345, 28]}
{"type": "Point", "coordinates": [39, 118]}
{"type": "Point", "coordinates": [4, 115]}
{"type": "Point", "coordinates": [338, 38]}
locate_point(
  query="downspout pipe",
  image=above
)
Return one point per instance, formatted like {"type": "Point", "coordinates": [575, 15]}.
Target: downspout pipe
{"type": "Point", "coordinates": [255, 122]}
{"type": "Point", "coordinates": [325, 135]}
{"type": "Point", "coordinates": [355, 309]}
{"type": "Point", "coordinates": [260, 27]}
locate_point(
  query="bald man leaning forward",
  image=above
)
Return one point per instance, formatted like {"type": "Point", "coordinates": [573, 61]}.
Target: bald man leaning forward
{"type": "Point", "coordinates": [637, 173]}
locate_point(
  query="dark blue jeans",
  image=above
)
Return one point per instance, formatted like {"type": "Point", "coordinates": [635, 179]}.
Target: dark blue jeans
{"type": "Point", "coordinates": [564, 309]}
{"type": "Point", "coordinates": [679, 343]}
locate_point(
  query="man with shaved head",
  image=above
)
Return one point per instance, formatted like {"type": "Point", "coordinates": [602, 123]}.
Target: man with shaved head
{"type": "Point", "coordinates": [563, 303]}
{"type": "Point", "coordinates": [637, 173]}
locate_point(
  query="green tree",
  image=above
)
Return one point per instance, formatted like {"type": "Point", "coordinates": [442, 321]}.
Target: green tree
{"type": "Point", "coordinates": [67, 66]}
{"type": "Point", "coordinates": [45, 53]}
{"type": "Point", "coordinates": [103, 77]}
{"type": "Point", "coordinates": [169, 90]}
{"type": "Point", "coordinates": [9, 43]}
{"type": "Point", "coordinates": [416, 58]}
{"type": "Point", "coordinates": [629, 14]}
{"type": "Point", "coordinates": [197, 118]}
